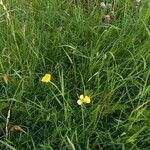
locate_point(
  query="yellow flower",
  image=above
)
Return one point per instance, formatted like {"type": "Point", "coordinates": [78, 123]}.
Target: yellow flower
{"type": "Point", "coordinates": [83, 99]}
{"type": "Point", "coordinates": [46, 78]}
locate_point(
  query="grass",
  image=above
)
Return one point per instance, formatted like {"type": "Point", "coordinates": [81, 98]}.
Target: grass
{"type": "Point", "coordinates": [108, 62]}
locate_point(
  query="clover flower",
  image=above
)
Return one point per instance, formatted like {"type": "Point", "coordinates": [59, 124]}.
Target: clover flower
{"type": "Point", "coordinates": [83, 100]}
{"type": "Point", "coordinates": [106, 19]}
{"type": "Point", "coordinates": [46, 78]}
{"type": "Point", "coordinates": [102, 5]}
{"type": "Point", "coordinates": [137, 2]}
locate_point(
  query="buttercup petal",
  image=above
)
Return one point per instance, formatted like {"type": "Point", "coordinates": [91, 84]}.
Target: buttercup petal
{"type": "Point", "coordinates": [79, 102]}
{"type": "Point", "coordinates": [81, 97]}
{"type": "Point", "coordinates": [87, 99]}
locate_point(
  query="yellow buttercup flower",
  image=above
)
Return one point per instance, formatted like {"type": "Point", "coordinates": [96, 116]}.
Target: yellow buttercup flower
{"type": "Point", "coordinates": [83, 99]}
{"type": "Point", "coordinates": [46, 78]}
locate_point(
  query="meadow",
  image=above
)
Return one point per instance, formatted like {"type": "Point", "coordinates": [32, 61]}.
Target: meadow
{"type": "Point", "coordinates": [97, 58]}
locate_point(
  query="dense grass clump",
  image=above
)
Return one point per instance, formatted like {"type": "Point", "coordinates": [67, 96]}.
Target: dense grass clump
{"type": "Point", "coordinates": [85, 52]}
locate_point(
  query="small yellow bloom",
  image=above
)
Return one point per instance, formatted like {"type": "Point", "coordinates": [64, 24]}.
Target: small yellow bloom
{"type": "Point", "coordinates": [46, 78]}
{"type": "Point", "coordinates": [83, 99]}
